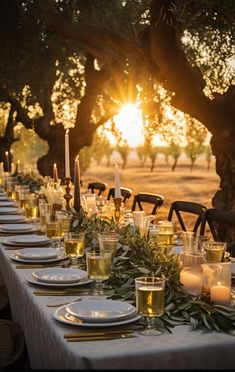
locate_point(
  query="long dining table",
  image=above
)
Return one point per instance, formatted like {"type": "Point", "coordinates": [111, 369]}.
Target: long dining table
{"type": "Point", "coordinates": [48, 349]}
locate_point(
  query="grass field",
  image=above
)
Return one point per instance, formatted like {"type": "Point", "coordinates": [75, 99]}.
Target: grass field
{"type": "Point", "coordinates": [198, 185]}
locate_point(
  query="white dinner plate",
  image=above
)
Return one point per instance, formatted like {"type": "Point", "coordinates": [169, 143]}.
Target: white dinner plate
{"type": "Point", "coordinates": [17, 228]}
{"type": "Point", "coordinates": [6, 203]}
{"type": "Point", "coordinates": [9, 210]}
{"type": "Point", "coordinates": [31, 279]}
{"type": "Point", "coordinates": [14, 256]}
{"type": "Point", "coordinates": [93, 311]}
{"type": "Point", "coordinates": [63, 316]}
{"type": "Point", "coordinates": [29, 239]}
{"type": "Point", "coordinates": [3, 198]}
{"type": "Point", "coordinates": [37, 253]}
{"type": "Point", "coordinates": [59, 275]}
{"type": "Point", "coordinates": [12, 218]}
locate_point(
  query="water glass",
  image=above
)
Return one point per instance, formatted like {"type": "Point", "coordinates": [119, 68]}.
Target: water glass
{"type": "Point", "coordinates": [108, 242]}
{"type": "Point", "coordinates": [150, 302]}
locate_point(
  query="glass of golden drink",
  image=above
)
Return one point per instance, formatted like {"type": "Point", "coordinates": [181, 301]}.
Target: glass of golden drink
{"type": "Point", "coordinates": [150, 302]}
{"type": "Point", "coordinates": [74, 244]}
{"type": "Point", "coordinates": [99, 269]}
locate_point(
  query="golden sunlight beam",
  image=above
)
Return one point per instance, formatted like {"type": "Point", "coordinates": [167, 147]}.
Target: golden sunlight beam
{"type": "Point", "coordinates": [129, 122]}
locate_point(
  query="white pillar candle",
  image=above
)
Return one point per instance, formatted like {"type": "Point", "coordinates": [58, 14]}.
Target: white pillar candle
{"type": "Point", "coordinates": [192, 282]}
{"type": "Point", "coordinates": [12, 168]}
{"type": "Point", "coordinates": [67, 160]}
{"type": "Point", "coordinates": [220, 294]}
{"type": "Point", "coordinates": [1, 167]}
{"type": "Point", "coordinates": [117, 193]}
{"type": "Point", "coordinates": [7, 161]}
{"type": "Point", "coordinates": [55, 173]}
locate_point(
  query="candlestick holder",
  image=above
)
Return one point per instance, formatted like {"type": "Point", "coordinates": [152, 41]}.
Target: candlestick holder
{"type": "Point", "coordinates": [67, 196]}
{"type": "Point", "coordinates": [117, 204]}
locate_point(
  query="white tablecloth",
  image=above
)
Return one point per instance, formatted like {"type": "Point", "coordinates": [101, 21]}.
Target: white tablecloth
{"type": "Point", "coordinates": [47, 348]}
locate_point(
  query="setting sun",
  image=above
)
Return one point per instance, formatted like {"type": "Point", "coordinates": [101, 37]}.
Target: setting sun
{"type": "Point", "coordinates": [129, 122]}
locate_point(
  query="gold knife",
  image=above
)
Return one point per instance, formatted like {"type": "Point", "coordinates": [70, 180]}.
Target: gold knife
{"type": "Point", "coordinates": [98, 333]}
{"type": "Point", "coordinates": [101, 337]}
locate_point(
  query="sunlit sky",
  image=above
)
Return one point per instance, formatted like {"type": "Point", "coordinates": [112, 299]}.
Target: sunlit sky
{"type": "Point", "coordinates": [129, 122]}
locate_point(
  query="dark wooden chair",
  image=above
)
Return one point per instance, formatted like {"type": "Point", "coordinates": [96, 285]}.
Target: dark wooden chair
{"type": "Point", "coordinates": [125, 192]}
{"type": "Point", "coordinates": [218, 221]}
{"type": "Point", "coordinates": [98, 187]}
{"type": "Point", "coordinates": [5, 310]}
{"type": "Point", "coordinates": [143, 197]}
{"type": "Point", "coordinates": [181, 208]}
{"type": "Point", "coordinates": [13, 351]}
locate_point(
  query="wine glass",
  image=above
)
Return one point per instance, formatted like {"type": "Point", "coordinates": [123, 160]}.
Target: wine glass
{"type": "Point", "coordinates": [150, 302]}
{"type": "Point", "coordinates": [99, 269]}
{"type": "Point", "coordinates": [74, 245]}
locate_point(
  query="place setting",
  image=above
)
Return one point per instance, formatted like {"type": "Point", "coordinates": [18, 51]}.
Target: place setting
{"type": "Point", "coordinates": [12, 218]}
{"type": "Point", "coordinates": [9, 210]}
{"type": "Point", "coordinates": [97, 313]}
{"type": "Point", "coordinates": [37, 255]}
{"type": "Point", "coordinates": [19, 228]}
{"type": "Point", "coordinates": [58, 277]}
{"type": "Point", "coordinates": [30, 240]}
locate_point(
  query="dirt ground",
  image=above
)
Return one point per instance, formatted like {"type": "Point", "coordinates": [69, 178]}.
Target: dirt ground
{"type": "Point", "coordinates": [198, 185]}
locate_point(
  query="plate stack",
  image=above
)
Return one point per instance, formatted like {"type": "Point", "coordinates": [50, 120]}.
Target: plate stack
{"type": "Point", "coordinates": [58, 277]}
{"type": "Point", "coordinates": [17, 228]}
{"type": "Point", "coordinates": [37, 255]}
{"type": "Point", "coordinates": [97, 313]}
{"type": "Point", "coordinates": [26, 241]}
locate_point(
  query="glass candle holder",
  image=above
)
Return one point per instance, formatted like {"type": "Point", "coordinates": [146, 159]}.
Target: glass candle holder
{"type": "Point", "coordinates": [217, 282]}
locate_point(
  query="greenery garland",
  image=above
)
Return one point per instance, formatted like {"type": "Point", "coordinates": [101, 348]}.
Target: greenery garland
{"type": "Point", "coordinates": [137, 256]}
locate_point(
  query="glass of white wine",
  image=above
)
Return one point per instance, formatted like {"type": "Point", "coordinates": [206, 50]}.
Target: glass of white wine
{"type": "Point", "coordinates": [99, 269]}
{"type": "Point", "coordinates": [150, 302]}
{"type": "Point", "coordinates": [74, 246]}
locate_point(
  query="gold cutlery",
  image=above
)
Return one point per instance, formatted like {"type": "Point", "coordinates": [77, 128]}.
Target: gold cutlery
{"type": "Point", "coordinates": [36, 266]}
{"type": "Point", "coordinates": [60, 293]}
{"type": "Point", "coordinates": [64, 303]}
{"type": "Point", "coordinates": [101, 337]}
{"type": "Point", "coordinates": [97, 333]}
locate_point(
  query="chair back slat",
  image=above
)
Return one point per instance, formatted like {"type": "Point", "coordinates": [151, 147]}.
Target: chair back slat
{"type": "Point", "coordinates": [100, 187]}
{"type": "Point", "coordinates": [155, 199]}
{"type": "Point", "coordinates": [181, 206]}
{"type": "Point", "coordinates": [125, 193]}
{"type": "Point", "coordinates": [218, 220]}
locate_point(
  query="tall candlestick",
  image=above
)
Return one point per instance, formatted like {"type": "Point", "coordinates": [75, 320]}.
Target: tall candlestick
{"type": "Point", "coordinates": [55, 173]}
{"type": "Point", "coordinates": [7, 161]}
{"type": "Point", "coordinates": [17, 167]}
{"type": "Point", "coordinates": [1, 168]}
{"type": "Point", "coordinates": [117, 193]}
{"type": "Point", "coordinates": [77, 196]}
{"type": "Point", "coordinates": [67, 161]}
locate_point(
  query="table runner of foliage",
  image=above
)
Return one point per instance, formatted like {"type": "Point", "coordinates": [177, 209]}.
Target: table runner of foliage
{"type": "Point", "coordinates": [137, 256]}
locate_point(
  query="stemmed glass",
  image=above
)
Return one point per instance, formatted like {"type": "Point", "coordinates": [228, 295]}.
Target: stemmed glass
{"type": "Point", "coordinates": [150, 302]}
{"type": "Point", "coordinates": [74, 245]}
{"type": "Point", "coordinates": [98, 268]}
